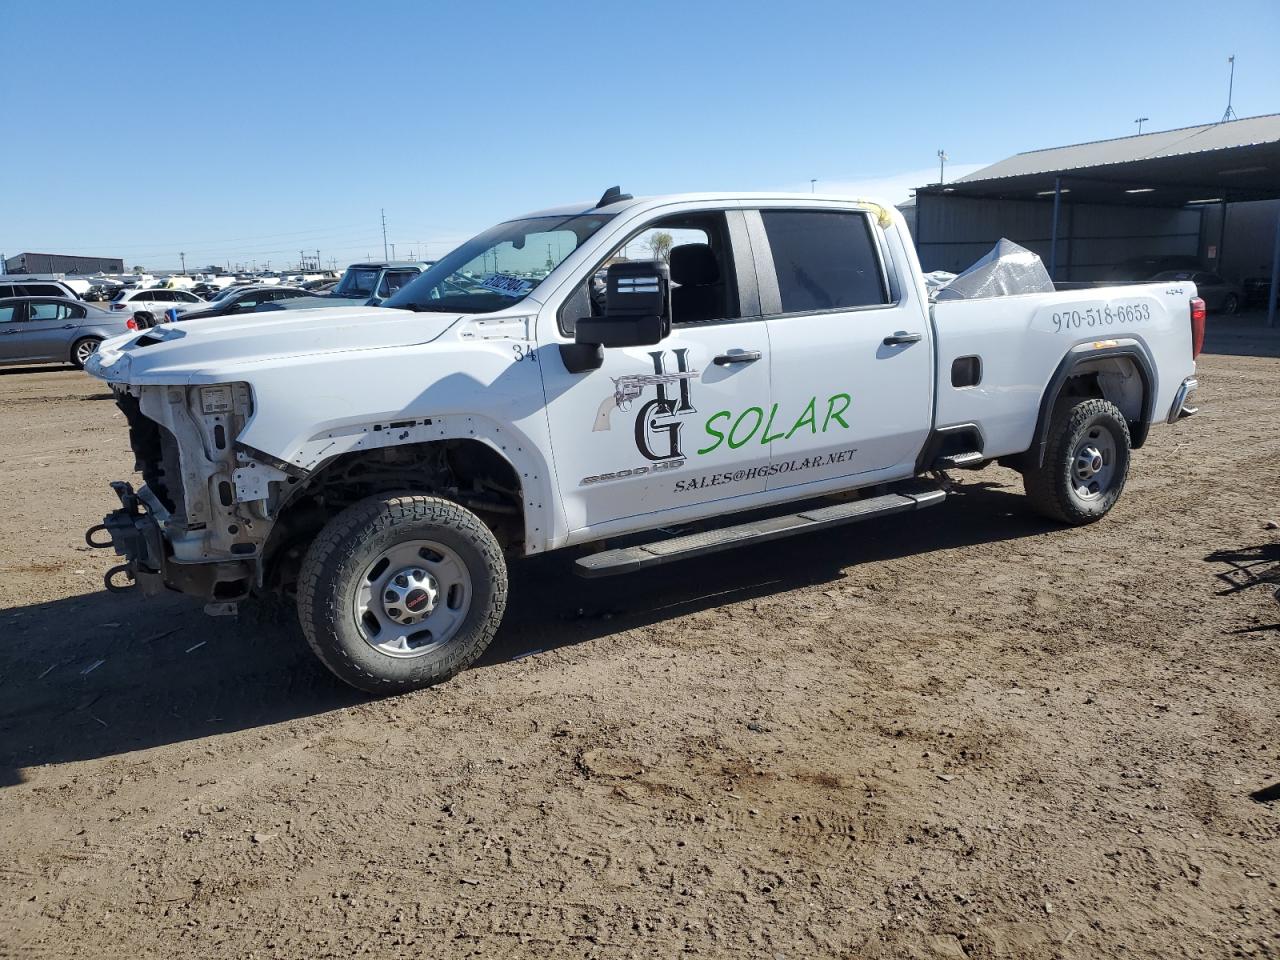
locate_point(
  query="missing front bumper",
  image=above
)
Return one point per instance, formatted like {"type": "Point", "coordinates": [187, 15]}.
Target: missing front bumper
{"type": "Point", "coordinates": [134, 533]}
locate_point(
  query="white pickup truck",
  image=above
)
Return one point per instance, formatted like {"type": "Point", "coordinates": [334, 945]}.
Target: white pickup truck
{"type": "Point", "coordinates": [603, 371]}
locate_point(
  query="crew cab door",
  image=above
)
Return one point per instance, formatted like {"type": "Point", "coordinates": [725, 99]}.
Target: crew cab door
{"type": "Point", "coordinates": [630, 439]}
{"type": "Point", "coordinates": [851, 347]}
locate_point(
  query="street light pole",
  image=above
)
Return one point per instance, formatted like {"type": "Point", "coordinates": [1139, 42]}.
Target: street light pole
{"type": "Point", "coordinates": [184, 263]}
{"type": "Point", "coordinates": [813, 183]}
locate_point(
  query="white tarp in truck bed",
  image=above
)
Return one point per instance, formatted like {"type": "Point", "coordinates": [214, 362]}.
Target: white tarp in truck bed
{"type": "Point", "coordinates": [1006, 271]}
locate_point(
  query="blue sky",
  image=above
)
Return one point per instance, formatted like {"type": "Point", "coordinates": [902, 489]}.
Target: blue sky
{"type": "Point", "coordinates": [248, 131]}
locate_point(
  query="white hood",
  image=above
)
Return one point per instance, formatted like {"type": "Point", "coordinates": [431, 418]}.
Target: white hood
{"type": "Point", "coordinates": [218, 349]}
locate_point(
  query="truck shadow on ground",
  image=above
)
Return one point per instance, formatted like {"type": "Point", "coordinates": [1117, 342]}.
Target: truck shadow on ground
{"type": "Point", "coordinates": [102, 674]}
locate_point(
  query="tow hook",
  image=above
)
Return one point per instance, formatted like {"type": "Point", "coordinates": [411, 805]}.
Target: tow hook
{"type": "Point", "coordinates": [108, 578]}
{"type": "Point", "coordinates": [98, 544]}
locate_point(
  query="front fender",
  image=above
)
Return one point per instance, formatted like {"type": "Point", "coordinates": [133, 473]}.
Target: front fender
{"type": "Point", "coordinates": [307, 414]}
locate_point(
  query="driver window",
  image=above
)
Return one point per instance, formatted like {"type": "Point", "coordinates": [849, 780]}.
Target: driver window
{"type": "Point", "coordinates": [695, 246]}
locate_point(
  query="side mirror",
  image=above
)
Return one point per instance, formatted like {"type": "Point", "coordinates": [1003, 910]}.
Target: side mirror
{"type": "Point", "coordinates": [637, 307]}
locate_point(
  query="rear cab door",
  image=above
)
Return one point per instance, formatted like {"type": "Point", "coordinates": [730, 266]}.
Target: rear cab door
{"type": "Point", "coordinates": [852, 346]}
{"type": "Point", "coordinates": [630, 439]}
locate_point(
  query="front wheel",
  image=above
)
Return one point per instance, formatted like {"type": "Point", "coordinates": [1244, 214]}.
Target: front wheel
{"type": "Point", "coordinates": [1231, 304]}
{"type": "Point", "coordinates": [1085, 464]}
{"type": "Point", "coordinates": [398, 593]}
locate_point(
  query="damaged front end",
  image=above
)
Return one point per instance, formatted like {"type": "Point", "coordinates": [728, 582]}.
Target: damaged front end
{"type": "Point", "coordinates": [199, 522]}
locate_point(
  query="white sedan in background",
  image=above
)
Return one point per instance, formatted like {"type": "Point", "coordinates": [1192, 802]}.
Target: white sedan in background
{"type": "Point", "coordinates": [156, 302]}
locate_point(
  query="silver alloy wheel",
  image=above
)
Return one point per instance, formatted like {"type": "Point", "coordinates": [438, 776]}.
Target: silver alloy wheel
{"type": "Point", "coordinates": [84, 350]}
{"type": "Point", "coordinates": [412, 598]}
{"type": "Point", "coordinates": [1093, 464]}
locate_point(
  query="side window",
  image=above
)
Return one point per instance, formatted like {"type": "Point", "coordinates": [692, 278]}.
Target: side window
{"type": "Point", "coordinates": [8, 290]}
{"type": "Point", "coordinates": [186, 297]}
{"type": "Point", "coordinates": [41, 310]}
{"type": "Point", "coordinates": [8, 312]}
{"type": "Point", "coordinates": [393, 280]}
{"type": "Point", "coordinates": [695, 246]}
{"type": "Point", "coordinates": [824, 259]}
{"type": "Point", "coordinates": [162, 296]}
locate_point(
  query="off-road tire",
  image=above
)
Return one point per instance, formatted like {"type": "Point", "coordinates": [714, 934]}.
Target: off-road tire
{"type": "Point", "coordinates": [1050, 486]}
{"type": "Point", "coordinates": [77, 348]}
{"type": "Point", "coordinates": [330, 574]}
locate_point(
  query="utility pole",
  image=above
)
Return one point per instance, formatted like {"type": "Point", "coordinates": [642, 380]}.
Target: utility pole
{"type": "Point", "coordinates": [813, 184]}
{"type": "Point", "coordinates": [1231, 85]}
{"type": "Point", "coordinates": [184, 263]}
{"type": "Point", "coordinates": [942, 166]}
{"type": "Point", "coordinates": [317, 261]}
{"type": "Point", "coordinates": [1140, 121]}
{"type": "Point", "coordinates": [393, 251]}
{"type": "Point", "coordinates": [384, 233]}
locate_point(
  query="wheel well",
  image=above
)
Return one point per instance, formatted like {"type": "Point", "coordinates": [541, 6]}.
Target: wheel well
{"type": "Point", "coordinates": [1119, 376]}
{"type": "Point", "coordinates": [468, 472]}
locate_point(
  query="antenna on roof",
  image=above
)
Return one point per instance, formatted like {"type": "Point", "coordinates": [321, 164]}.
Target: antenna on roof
{"type": "Point", "coordinates": [1231, 83]}
{"type": "Point", "coordinates": [612, 195]}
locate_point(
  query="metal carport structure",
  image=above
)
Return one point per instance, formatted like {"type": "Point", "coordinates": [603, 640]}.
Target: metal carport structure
{"type": "Point", "coordinates": [1170, 170]}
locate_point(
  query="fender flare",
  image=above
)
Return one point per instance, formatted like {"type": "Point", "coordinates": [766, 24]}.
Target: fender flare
{"type": "Point", "coordinates": [1076, 357]}
{"type": "Point", "coordinates": [520, 453]}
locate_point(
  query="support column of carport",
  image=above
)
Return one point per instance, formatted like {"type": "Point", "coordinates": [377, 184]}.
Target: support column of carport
{"type": "Point", "coordinates": [1273, 291]}
{"type": "Point", "coordinates": [1053, 235]}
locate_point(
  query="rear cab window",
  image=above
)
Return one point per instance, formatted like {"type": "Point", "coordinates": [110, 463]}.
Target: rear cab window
{"type": "Point", "coordinates": [825, 260]}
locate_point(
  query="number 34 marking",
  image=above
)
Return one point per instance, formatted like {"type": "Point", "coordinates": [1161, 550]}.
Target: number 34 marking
{"type": "Point", "coordinates": [524, 351]}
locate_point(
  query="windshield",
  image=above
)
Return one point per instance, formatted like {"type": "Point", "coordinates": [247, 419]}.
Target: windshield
{"type": "Point", "coordinates": [499, 267]}
{"type": "Point", "coordinates": [358, 282]}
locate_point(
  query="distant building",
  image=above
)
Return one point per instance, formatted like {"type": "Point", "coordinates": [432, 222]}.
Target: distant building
{"type": "Point", "coordinates": [59, 263]}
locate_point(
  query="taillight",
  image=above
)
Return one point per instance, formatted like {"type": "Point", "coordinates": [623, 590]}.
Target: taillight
{"type": "Point", "coordinates": [1198, 314]}
{"type": "Point", "coordinates": [131, 323]}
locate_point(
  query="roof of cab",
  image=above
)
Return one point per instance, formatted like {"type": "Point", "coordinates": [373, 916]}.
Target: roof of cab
{"type": "Point", "coordinates": [579, 209]}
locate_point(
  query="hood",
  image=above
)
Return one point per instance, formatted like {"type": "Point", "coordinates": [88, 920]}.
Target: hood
{"type": "Point", "coordinates": [217, 349]}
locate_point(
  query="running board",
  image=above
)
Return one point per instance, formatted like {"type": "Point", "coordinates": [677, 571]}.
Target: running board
{"type": "Point", "coordinates": [610, 562]}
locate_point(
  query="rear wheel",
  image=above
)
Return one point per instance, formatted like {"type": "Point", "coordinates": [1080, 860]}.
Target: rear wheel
{"type": "Point", "coordinates": [398, 593]}
{"type": "Point", "coordinates": [1231, 304]}
{"type": "Point", "coordinates": [82, 350]}
{"type": "Point", "coordinates": [1085, 465]}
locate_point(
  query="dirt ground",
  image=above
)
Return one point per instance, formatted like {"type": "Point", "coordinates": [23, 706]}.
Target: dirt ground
{"type": "Point", "coordinates": [966, 733]}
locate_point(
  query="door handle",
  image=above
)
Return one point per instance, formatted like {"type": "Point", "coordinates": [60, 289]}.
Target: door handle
{"type": "Point", "coordinates": [737, 356]}
{"type": "Point", "coordinates": [68, 326]}
{"type": "Point", "coordinates": [901, 338]}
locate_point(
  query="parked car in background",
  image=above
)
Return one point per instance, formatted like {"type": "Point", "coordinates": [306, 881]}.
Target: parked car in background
{"type": "Point", "coordinates": [43, 329]}
{"type": "Point", "coordinates": [15, 286]}
{"type": "Point", "coordinates": [154, 302]}
{"type": "Point", "coordinates": [239, 300]}
{"type": "Point", "coordinates": [1219, 295]}
{"type": "Point", "coordinates": [1139, 269]}
{"type": "Point", "coordinates": [371, 283]}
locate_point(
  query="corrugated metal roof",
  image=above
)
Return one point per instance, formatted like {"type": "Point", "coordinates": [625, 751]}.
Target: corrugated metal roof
{"type": "Point", "coordinates": [1208, 137]}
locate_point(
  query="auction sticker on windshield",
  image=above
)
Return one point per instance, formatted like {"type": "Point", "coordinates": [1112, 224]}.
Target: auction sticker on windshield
{"type": "Point", "coordinates": [506, 284]}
